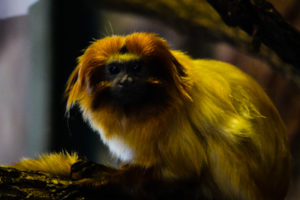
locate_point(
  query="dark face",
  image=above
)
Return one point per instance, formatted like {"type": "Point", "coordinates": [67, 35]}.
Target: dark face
{"type": "Point", "coordinates": [134, 86]}
{"type": "Point", "coordinates": [129, 81]}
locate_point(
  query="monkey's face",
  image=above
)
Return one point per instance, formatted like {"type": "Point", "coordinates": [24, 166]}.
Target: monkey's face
{"type": "Point", "coordinates": [129, 81]}
{"type": "Point", "coordinates": [128, 84]}
{"type": "Point", "coordinates": [133, 73]}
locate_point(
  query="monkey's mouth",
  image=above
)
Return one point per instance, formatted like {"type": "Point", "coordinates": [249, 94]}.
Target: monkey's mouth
{"type": "Point", "coordinates": [124, 96]}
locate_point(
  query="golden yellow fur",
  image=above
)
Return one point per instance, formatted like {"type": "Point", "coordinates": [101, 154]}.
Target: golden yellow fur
{"type": "Point", "coordinates": [57, 164]}
{"type": "Point", "coordinates": [215, 123]}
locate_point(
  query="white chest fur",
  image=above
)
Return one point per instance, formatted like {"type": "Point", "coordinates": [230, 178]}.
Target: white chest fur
{"type": "Point", "coordinates": [119, 149]}
{"type": "Point", "coordinates": [116, 145]}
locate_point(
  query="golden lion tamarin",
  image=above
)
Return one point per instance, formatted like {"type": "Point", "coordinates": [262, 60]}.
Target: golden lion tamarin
{"type": "Point", "coordinates": [182, 118]}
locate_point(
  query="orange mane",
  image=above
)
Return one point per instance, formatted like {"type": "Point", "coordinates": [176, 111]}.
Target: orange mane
{"type": "Point", "coordinates": [145, 45]}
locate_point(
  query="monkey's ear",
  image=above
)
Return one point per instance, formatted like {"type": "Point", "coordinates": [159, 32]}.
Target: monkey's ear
{"type": "Point", "coordinates": [164, 50]}
{"type": "Point", "coordinates": [93, 75]}
{"type": "Point", "coordinates": [180, 77]}
{"type": "Point", "coordinates": [74, 88]}
{"type": "Point", "coordinates": [178, 66]}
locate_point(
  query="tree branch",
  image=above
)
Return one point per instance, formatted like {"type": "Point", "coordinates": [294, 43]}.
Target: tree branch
{"type": "Point", "coordinates": [260, 20]}
{"type": "Point", "coordinates": [16, 185]}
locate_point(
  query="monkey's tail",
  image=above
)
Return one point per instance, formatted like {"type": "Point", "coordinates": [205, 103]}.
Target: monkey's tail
{"type": "Point", "coordinates": [56, 164]}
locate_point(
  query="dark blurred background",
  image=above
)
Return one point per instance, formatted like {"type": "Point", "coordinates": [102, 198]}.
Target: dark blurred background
{"type": "Point", "coordinates": [39, 44]}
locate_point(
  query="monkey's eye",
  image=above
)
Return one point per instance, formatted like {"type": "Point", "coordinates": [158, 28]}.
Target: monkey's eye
{"type": "Point", "coordinates": [114, 69]}
{"type": "Point", "coordinates": [136, 68]}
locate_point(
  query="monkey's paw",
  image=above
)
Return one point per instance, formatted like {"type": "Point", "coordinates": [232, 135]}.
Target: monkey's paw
{"type": "Point", "coordinates": [85, 169]}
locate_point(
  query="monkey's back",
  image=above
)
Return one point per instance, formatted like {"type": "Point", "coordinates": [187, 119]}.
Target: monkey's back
{"type": "Point", "coordinates": [246, 139]}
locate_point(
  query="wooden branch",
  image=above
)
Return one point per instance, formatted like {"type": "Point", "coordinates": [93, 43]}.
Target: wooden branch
{"type": "Point", "coordinates": [252, 26]}
{"type": "Point", "coordinates": [16, 185]}
{"type": "Point", "coordinates": [261, 20]}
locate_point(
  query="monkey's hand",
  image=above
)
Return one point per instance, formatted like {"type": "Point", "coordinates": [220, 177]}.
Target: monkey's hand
{"type": "Point", "coordinates": [88, 169]}
{"type": "Point", "coordinates": [95, 175]}
{"type": "Point", "coordinates": [130, 182]}
{"type": "Point", "coordinates": [91, 179]}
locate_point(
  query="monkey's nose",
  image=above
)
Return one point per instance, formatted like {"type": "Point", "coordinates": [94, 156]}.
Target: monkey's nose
{"type": "Point", "coordinates": [126, 80]}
